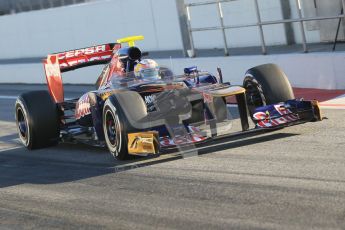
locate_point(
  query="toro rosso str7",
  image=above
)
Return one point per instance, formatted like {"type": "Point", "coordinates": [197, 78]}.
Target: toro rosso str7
{"type": "Point", "coordinates": [139, 108]}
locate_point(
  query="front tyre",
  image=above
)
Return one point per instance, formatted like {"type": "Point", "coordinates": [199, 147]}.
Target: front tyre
{"type": "Point", "coordinates": [266, 84]}
{"type": "Point", "coordinates": [37, 120]}
{"type": "Point", "coordinates": [115, 131]}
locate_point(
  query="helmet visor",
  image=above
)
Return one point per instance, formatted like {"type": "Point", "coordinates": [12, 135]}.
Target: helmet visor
{"type": "Point", "coordinates": [150, 73]}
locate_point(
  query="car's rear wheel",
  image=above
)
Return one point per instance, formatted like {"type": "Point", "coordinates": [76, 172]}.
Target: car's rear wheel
{"type": "Point", "coordinates": [266, 84]}
{"type": "Point", "coordinates": [37, 120]}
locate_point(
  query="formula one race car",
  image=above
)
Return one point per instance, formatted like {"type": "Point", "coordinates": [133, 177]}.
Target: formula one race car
{"type": "Point", "coordinates": [139, 108]}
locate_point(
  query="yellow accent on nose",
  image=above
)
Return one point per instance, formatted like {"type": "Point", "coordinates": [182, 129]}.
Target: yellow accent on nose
{"type": "Point", "coordinates": [130, 40]}
{"type": "Point", "coordinates": [143, 143]}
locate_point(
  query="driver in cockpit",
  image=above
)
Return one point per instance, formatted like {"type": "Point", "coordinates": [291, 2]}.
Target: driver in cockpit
{"type": "Point", "coordinates": [127, 66]}
{"type": "Point", "coordinates": [147, 69]}
{"type": "Point", "coordinates": [121, 65]}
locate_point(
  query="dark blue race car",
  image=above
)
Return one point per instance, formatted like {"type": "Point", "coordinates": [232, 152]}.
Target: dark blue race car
{"type": "Point", "coordinates": [140, 108]}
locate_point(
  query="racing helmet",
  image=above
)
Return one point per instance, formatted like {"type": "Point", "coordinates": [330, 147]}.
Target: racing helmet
{"type": "Point", "coordinates": [147, 69]}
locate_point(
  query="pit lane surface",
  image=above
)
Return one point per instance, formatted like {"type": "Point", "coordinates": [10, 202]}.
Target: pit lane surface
{"type": "Point", "coordinates": [292, 178]}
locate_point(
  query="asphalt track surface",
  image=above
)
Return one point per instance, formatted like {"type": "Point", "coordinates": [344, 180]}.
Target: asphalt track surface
{"type": "Point", "coordinates": [293, 178]}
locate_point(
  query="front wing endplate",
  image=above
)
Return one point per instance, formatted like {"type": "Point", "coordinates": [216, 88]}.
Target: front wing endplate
{"type": "Point", "coordinates": [143, 143]}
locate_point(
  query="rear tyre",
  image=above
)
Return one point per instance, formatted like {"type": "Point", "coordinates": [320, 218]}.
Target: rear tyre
{"type": "Point", "coordinates": [266, 84]}
{"type": "Point", "coordinates": [37, 120]}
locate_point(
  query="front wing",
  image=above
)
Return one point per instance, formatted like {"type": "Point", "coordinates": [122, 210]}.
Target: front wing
{"type": "Point", "coordinates": [265, 118]}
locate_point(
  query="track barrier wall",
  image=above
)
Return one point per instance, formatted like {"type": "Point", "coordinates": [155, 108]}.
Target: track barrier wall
{"type": "Point", "coordinates": [313, 70]}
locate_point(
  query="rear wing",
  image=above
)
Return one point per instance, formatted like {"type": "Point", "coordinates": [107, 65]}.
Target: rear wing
{"type": "Point", "coordinates": [94, 55]}
{"type": "Point", "coordinates": [55, 64]}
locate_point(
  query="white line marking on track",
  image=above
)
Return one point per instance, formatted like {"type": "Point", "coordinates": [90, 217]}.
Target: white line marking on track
{"type": "Point", "coordinates": [340, 96]}
{"type": "Point", "coordinates": [8, 97]}
{"type": "Point", "coordinates": [11, 148]}
{"type": "Point", "coordinates": [330, 106]}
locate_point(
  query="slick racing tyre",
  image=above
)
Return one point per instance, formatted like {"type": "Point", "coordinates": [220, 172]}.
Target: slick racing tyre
{"type": "Point", "coordinates": [266, 84]}
{"type": "Point", "coordinates": [37, 120]}
{"type": "Point", "coordinates": [116, 125]}
{"type": "Point", "coordinates": [115, 131]}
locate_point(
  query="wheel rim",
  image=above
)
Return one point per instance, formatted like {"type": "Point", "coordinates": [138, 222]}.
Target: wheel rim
{"type": "Point", "coordinates": [22, 125]}
{"type": "Point", "coordinates": [113, 131]}
{"type": "Point", "coordinates": [255, 95]}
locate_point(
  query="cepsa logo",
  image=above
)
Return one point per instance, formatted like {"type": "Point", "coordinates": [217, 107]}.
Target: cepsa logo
{"type": "Point", "coordinates": [75, 57]}
{"type": "Point", "coordinates": [86, 51]}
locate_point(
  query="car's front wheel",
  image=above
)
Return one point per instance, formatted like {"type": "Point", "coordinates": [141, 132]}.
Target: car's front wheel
{"type": "Point", "coordinates": [115, 130]}
{"type": "Point", "coordinates": [266, 84]}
